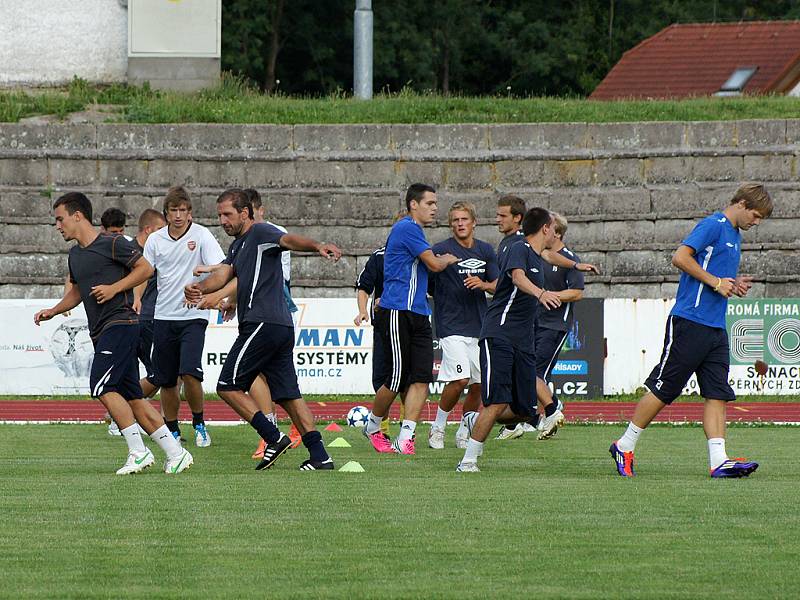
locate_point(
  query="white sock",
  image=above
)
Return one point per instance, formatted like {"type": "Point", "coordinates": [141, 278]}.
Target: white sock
{"type": "Point", "coordinates": [473, 451]}
{"type": "Point", "coordinates": [468, 420]}
{"type": "Point", "coordinates": [163, 437]}
{"type": "Point", "coordinates": [441, 418]}
{"type": "Point", "coordinates": [716, 452]}
{"type": "Point", "coordinates": [134, 439]}
{"type": "Point", "coordinates": [406, 430]}
{"type": "Point", "coordinates": [627, 443]}
{"type": "Point", "coordinates": [373, 424]}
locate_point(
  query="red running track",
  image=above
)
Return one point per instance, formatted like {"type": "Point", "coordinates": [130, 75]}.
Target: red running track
{"type": "Point", "coordinates": [77, 411]}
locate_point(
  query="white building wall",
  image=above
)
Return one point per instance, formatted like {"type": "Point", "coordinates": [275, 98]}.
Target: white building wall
{"type": "Point", "coordinates": [47, 42]}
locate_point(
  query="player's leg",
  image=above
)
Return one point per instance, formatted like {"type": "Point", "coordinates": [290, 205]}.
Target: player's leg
{"type": "Point", "coordinates": [192, 338]}
{"type": "Point", "coordinates": [259, 392]}
{"type": "Point", "coordinates": [386, 325]}
{"type": "Point", "coordinates": [553, 418]}
{"type": "Point", "coordinates": [166, 363]}
{"type": "Point", "coordinates": [548, 347]}
{"type": "Point", "coordinates": [455, 371]}
{"type": "Point", "coordinates": [379, 371]}
{"type": "Point", "coordinates": [472, 404]}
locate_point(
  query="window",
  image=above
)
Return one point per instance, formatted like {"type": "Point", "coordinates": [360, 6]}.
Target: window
{"type": "Point", "coordinates": [737, 81]}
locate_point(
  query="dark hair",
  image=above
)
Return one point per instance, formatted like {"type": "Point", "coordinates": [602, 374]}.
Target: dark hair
{"type": "Point", "coordinates": [516, 204]}
{"type": "Point", "coordinates": [239, 199]}
{"type": "Point", "coordinates": [416, 191]}
{"type": "Point", "coordinates": [177, 196]}
{"type": "Point", "coordinates": [149, 218]}
{"type": "Point", "coordinates": [113, 217]}
{"type": "Point", "coordinates": [75, 202]}
{"type": "Point", "coordinates": [534, 220]}
{"type": "Point", "coordinates": [255, 197]}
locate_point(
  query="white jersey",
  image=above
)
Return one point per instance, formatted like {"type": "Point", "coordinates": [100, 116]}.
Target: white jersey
{"type": "Point", "coordinates": [174, 261]}
{"type": "Point", "coordinates": [286, 256]}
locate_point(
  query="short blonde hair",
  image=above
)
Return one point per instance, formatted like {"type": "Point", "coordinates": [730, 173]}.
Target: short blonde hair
{"type": "Point", "coordinates": [560, 224]}
{"type": "Point", "coordinates": [755, 197]}
{"type": "Point", "coordinates": [465, 206]}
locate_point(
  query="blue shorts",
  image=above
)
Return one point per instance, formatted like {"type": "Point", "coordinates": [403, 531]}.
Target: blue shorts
{"type": "Point", "coordinates": [146, 344]}
{"type": "Point", "coordinates": [691, 347]}
{"type": "Point", "coordinates": [177, 350]}
{"type": "Point", "coordinates": [262, 348]}
{"type": "Point", "coordinates": [509, 376]}
{"type": "Point", "coordinates": [114, 368]}
{"type": "Point", "coordinates": [548, 346]}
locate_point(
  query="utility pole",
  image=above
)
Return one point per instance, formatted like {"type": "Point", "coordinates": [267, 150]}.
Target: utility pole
{"type": "Point", "coordinates": [362, 50]}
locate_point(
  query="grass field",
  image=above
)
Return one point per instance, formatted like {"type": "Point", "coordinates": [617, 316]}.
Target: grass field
{"type": "Point", "coordinates": [543, 519]}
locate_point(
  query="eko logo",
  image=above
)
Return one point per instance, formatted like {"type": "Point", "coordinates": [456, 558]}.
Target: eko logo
{"type": "Point", "coordinates": [782, 340]}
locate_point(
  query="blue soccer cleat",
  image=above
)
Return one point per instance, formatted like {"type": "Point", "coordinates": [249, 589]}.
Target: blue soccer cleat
{"type": "Point", "coordinates": [624, 461]}
{"type": "Point", "coordinates": [734, 468]}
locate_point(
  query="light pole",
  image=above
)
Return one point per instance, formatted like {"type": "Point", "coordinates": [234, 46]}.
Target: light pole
{"type": "Point", "coordinates": [362, 50]}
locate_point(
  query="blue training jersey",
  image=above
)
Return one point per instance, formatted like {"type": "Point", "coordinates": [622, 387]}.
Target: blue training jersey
{"type": "Point", "coordinates": [457, 310]}
{"type": "Point", "coordinates": [512, 313]}
{"type": "Point", "coordinates": [405, 276]}
{"type": "Point", "coordinates": [717, 249]}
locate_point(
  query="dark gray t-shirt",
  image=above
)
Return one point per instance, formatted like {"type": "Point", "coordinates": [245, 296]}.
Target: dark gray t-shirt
{"type": "Point", "coordinates": [150, 295]}
{"type": "Point", "coordinates": [105, 261]}
{"type": "Point", "coordinates": [557, 279]}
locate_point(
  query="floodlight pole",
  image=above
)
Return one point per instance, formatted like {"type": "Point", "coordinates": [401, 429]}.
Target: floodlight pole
{"type": "Point", "coordinates": [362, 50]}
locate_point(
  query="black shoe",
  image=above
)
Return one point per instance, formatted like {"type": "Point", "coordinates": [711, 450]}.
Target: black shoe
{"type": "Point", "coordinates": [310, 465]}
{"type": "Point", "coordinates": [273, 451]}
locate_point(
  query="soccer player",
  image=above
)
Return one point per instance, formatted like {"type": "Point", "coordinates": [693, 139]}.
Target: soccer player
{"type": "Point", "coordinates": [179, 330]}
{"type": "Point", "coordinates": [104, 268]}
{"type": "Point", "coordinates": [113, 220]}
{"type": "Point", "coordinates": [696, 340]}
{"type": "Point", "coordinates": [458, 310]}
{"type": "Point", "coordinates": [266, 331]}
{"type": "Point", "coordinates": [403, 319]}
{"type": "Point", "coordinates": [508, 353]}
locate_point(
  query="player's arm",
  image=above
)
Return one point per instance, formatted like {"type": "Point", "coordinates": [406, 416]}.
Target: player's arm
{"type": "Point", "coordinates": [437, 264]}
{"type": "Point", "coordinates": [569, 295]}
{"type": "Point", "coordinates": [547, 299]}
{"type": "Point", "coordinates": [473, 282]}
{"type": "Point", "coordinates": [299, 243]}
{"type": "Point", "coordinates": [684, 260]}
{"type": "Point", "coordinates": [559, 260]}
{"type": "Point", "coordinates": [362, 298]}
{"type": "Point", "coordinates": [71, 299]}
{"type": "Point", "coordinates": [138, 292]}
{"type": "Point", "coordinates": [365, 285]}
{"type": "Point", "coordinates": [215, 299]}
{"type": "Point", "coordinates": [194, 292]}
{"type": "Point", "coordinates": [141, 271]}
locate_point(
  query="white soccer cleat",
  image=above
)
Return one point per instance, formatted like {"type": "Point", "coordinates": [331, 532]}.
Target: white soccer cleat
{"type": "Point", "coordinates": [436, 438]}
{"type": "Point", "coordinates": [528, 428]}
{"type": "Point", "coordinates": [512, 433]}
{"type": "Point", "coordinates": [548, 426]}
{"type": "Point", "coordinates": [202, 438]}
{"type": "Point", "coordinates": [136, 463]}
{"type": "Point", "coordinates": [467, 467]}
{"type": "Point", "coordinates": [180, 463]}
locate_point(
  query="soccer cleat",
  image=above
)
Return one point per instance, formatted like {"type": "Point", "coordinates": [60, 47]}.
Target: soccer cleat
{"type": "Point", "coordinates": [404, 447]}
{"type": "Point", "coordinates": [436, 438]}
{"type": "Point", "coordinates": [180, 463]}
{"type": "Point", "coordinates": [310, 465]}
{"type": "Point", "coordinates": [548, 426]}
{"type": "Point", "coordinates": [294, 436]}
{"type": "Point", "coordinates": [623, 460]}
{"type": "Point", "coordinates": [136, 463]}
{"type": "Point", "coordinates": [202, 439]}
{"type": "Point", "coordinates": [259, 453]}
{"type": "Point", "coordinates": [734, 468]}
{"type": "Point", "coordinates": [510, 433]}
{"type": "Point", "coordinates": [273, 451]}
{"type": "Point", "coordinates": [380, 441]}
{"type": "Point", "coordinates": [467, 467]}
{"type": "Point", "coordinates": [113, 429]}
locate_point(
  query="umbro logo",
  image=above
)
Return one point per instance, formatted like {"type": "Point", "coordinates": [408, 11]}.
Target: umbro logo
{"type": "Point", "coordinates": [729, 244]}
{"type": "Point", "coordinates": [722, 220]}
{"type": "Point", "coordinates": [472, 263]}
{"type": "Point", "coordinates": [534, 270]}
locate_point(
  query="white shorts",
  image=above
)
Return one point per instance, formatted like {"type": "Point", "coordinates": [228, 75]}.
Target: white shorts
{"type": "Point", "coordinates": [460, 359]}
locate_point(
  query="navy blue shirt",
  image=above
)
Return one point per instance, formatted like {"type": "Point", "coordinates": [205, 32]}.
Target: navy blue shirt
{"type": "Point", "coordinates": [512, 313]}
{"type": "Point", "coordinates": [717, 249]}
{"type": "Point", "coordinates": [405, 276]}
{"type": "Point", "coordinates": [256, 260]}
{"type": "Point", "coordinates": [148, 309]}
{"type": "Point", "coordinates": [370, 279]}
{"type": "Point", "coordinates": [557, 279]}
{"type": "Point", "coordinates": [458, 310]}
{"type": "Point", "coordinates": [507, 241]}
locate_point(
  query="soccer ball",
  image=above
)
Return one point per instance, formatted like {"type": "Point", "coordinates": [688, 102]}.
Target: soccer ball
{"type": "Point", "coordinates": [358, 416]}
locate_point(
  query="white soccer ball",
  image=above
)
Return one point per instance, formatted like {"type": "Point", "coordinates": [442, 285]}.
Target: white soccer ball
{"type": "Point", "coordinates": [358, 416]}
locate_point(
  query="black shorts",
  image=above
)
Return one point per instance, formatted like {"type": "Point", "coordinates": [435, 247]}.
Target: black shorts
{"type": "Point", "coordinates": [379, 367]}
{"type": "Point", "coordinates": [548, 346]}
{"type": "Point", "coordinates": [509, 376]}
{"type": "Point", "coordinates": [408, 347]}
{"type": "Point", "coordinates": [691, 347]}
{"type": "Point", "coordinates": [262, 348]}
{"type": "Point", "coordinates": [114, 368]}
{"type": "Point", "coordinates": [145, 351]}
{"type": "Point", "coordinates": [177, 350]}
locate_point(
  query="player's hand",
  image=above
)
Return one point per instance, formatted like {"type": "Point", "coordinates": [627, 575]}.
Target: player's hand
{"type": "Point", "coordinates": [549, 300]}
{"type": "Point", "coordinates": [361, 318]}
{"type": "Point", "coordinates": [449, 258]}
{"type": "Point", "coordinates": [228, 310]}
{"type": "Point", "coordinates": [200, 269]}
{"type": "Point", "coordinates": [473, 282]}
{"type": "Point", "coordinates": [742, 285]}
{"type": "Point", "coordinates": [726, 286]}
{"type": "Point", "coordinates": [137, 305]}
{"type": "Point", "coordinates": [209, 301]}
{"type": "Point", "coordinates": [587, 268]}
{"type": "Point", "coordinates": [330, 251]}
{"type": "Point", "coordinates": [192, 294]}
{"type": "Point", "coordinates": [44, 315]}
{"type": "Point", "coordinates": [103, 293]}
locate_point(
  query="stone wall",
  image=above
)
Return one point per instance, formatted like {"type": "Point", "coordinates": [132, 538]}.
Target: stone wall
{"type": "Point", "coordinates": [631, 191]}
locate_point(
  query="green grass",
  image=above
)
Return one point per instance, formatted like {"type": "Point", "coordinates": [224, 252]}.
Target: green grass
{"type": "Point", "coordinates": [543, 519]}
{"type": "Point", "coordinates": [234, 102]}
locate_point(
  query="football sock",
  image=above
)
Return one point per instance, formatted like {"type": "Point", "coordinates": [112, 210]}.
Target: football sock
{"type": "Point", "coordinates": [473, 451]}
{"type": "Point", "coordinates": [133, 438]}
{"type": "Point", "coordinates": [374, 423]}
{"type": "Point", "coordinates": [163, 437]}
{"type": "Point", "coordinates": [406, 430]}
{"type": "Point", "coordinates": [550, 409]}
{"type": "Point", "coordinates": [627, 443]}
{"type": "Point", "coordinates": [534, 421]}
{"type": "Point", "coordinates": [441, 418]}
{"type": "Point", "coordinates": [173, 426]}
{"type": "Point", "coordinates": [197, 418]}
{"type": "Point", "coordinates": [469, 418]}
{"type": "Point", "coordinates": [716, 452]}
{"type": "Point", "coordinates": [316, 450]}
{"type": "Point", "coordinates": [265, 429]}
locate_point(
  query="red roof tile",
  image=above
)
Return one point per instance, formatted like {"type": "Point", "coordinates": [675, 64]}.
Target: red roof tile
{"type": "Point", "coordinates": [697, 59]}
